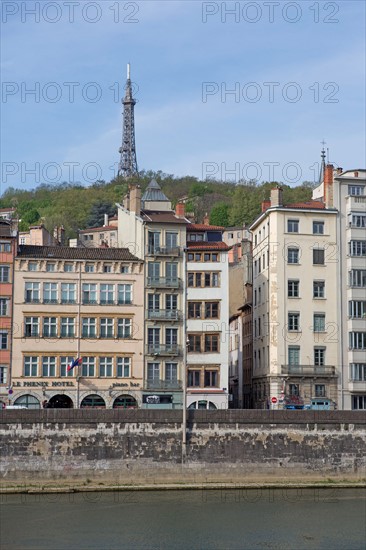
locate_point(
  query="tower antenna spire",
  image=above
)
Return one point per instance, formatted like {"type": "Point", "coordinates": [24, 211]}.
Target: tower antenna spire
{"type": "Point", "coordinates": [322, 166]}
{"type": "Point", "coordinates": [128, 162]}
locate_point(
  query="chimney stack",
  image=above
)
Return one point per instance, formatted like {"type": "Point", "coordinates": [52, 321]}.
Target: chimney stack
{"type": "Point", "coordinates": [206, 219]}
{"type": "Point", "coordinates": [328, 185]}
{"type": "Point", "coordinates": [180, 210]}
{"type": "Point", "coordinates": [105, 220]}
{"type": "Point", "coordinates": [135, 199]}
{"type": "Point", "coordinates": [265, 204]}
{"type": "Point", "coordinates": [276, 196]}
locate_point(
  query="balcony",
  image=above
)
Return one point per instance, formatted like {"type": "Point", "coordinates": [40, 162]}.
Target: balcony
{"type": "Point", "coordinates": [163, 282]}
{"type": "Point", "coordinates": [174, 251]}
{"type": "Point", "coordinates": [309, 370]}
{"type": "Point", "coordinates": [164, 315]}
{"type": "Point", "coordinates": [159, 385]}
{"type": "Point", "coordinates": [163, 349]}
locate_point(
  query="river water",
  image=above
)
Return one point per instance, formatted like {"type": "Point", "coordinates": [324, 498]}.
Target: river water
{"type": "Point", "coordinates": [222, 519]}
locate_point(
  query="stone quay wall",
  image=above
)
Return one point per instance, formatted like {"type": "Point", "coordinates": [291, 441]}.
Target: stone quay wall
{"type": "Point", "coordinates": [136, 447]}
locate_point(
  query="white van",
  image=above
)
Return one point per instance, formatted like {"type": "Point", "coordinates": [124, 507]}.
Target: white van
{"type": "Point", "coordinates": [7, 407]}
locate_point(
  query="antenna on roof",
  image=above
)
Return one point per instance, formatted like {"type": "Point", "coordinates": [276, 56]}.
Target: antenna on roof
{"type": "Point", "coordinates": [322, 166]}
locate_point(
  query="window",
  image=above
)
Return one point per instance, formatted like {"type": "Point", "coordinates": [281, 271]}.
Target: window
{"type": "Point", "coordinates": [48, 366]}
{"type": "Point", "coordinates": [357, 309]}
{"type": "Point", "coordinates": [206, 279]}
{"type": "Point", "coordinates": [211, 378]}
{"type": "Point", "coordinates": [211, 310]}
{"type": "Point", "coordinates": [153, 302]}
{"type": "Point", "coordinates": [358, 402]}
{"type": "Point", "coordinates": [105, 366]}
{"type": "Point", "coordinates": [124, 269]}
{"type": "Point", "coordinates": [123, 367]}
{"type": "Point", "coordinates": [4, 273]}
{"type": "Point", "coordinates": [32, 266]}
{"type": "Point", "coordinates": [357, 340]}
{"type": "Point", "coordinates": [67, 327]}
{"type": "Point", "coordinates": [124, 328]}
{"type": "Point", "coordinates": [5, 247]}
{"type": "Point", "coordinates": [107, 268]}
{"type": "Point", "coordinates": [3, 374]}
{"type": "Point", "coordinates": [153, 339]}
{"type": "Point", "coordinates": [293, 288]}
{"type": "Point", "coordinates": [89, 268]}
{"type": "Point", "coordinates": [211, 342]}
{"type": "Point", "coordinates": [153, 240]}
{"type": "Point", "coordinates": [171, 372]}
{"type": "Point", "coordinates": [89, 327]}
{"type": "Point", "coordinates": [356, 189]}
{"type": "Point", "coordinates": [153, 372]}
{"type": "Point", "coordinates": [31, 326]}
{"type": "Point", "coordinates": [171, 302]}
{"type": "Point", "coordinates": [318, 256]}
{"type": "Point", "coordinates": [294, 321]}
{"type": "Point", "coordinates": [357, 248]}
{"type": "Point", "coordinates": [318, 228]}
{"type": "Point", "coordinates": [319, 322]}
{"type": "Point", "coordinates": [68, 293]}
{"type": "Point", "coordinates": [50, 266]}
{"type": "Point", "coordinates": [4, 306]}
{"type": "Point", "coordinates": [106, 294]}
{"type": "Point", "coordinates": [89, 293]}
{"type": "Point", "coordinates": [50, 293]}
{"type": "Point", "coordinates": [124, 294]}
{"type": "Point", "coordinates": [88, 366]}
{"type": "Point", "coordinates": [293, 255]}
{"type": "Point", "coordinates": [194, 342]}
{"type": "Point", "coordinates": [294, 390]}
{"type": "Point", "coordinates": [68, 267]}
{"type": "Point", "coordinates": [357, 220]}
{"type": "Point", "coordinates": [357, 278]}
{"type": "Point", "coordinates": [319, 357]}
{"type": "Point", "coordinates": [171, 270]}
{"type": "Point", "coordinates": [319, 390]}
{"type": "Point", "coordinates": [50, 327]}
{"type": "Point", "coordinates": [171, 240]}
{"type": "Point", "coordinates": [293, 355]}
{"type": "Point", "coordinates": [318, 289]}
{"type": "Point", "coordinates": [32, 292]}
{"type": "Point", "coordinates": [64, 363]}
{"type": "Point", "coordinates": [194, 310]}
{"type": "Point", "coordinates": [30, 365]}
{"type": "Point", "coordinates": [106, 327]}
{"type": "Point", "coordinates": [194, 378]}
{"type": "Point", "coordinates": [358, 372]}
{"type": "Point", "coordinates": [3, 339]}
{"type": "Point", "coordinates": [171, 338]}
{"type": "Point", "coordinates": [292, 226]}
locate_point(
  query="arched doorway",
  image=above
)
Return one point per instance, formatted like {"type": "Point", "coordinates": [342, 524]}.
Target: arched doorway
{"type": "Point", "coordinates": [125, 402]}
{"type": "Point", "coordinates": [28, 401]}
{"type": "Point", "coordinates": [93, 401]}
{"type": "Point", "coordinates": [60, 402]}
{"type": "Point", "coordinates": [202, 405]}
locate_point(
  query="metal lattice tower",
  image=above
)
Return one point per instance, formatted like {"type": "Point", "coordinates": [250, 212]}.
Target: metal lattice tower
{"type": "Point", "coordinates": [128, 163]}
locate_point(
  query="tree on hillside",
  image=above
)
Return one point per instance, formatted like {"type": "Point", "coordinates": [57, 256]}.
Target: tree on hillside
{"type": "Point", "coordinates": [220, 214]}
{"type": "Point", "coordinates": [97, 211]}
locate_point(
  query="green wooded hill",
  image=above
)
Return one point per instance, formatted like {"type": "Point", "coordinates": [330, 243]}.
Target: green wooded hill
{"type": "Point", "coordinates": [76, 206]}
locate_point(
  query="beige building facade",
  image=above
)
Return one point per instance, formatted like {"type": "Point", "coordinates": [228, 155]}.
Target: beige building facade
{"type": "Point", "coordinates": [74, 303]}
{"type": "Point", "coordinates": [295, 304]}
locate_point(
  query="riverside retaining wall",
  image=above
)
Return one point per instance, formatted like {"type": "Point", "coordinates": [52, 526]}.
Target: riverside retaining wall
{"type": "Point", "coordinates": [116, 447]}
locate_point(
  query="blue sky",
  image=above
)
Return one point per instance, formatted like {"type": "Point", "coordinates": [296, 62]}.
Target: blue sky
{"type": "Point", "coordinates": [185, 56]}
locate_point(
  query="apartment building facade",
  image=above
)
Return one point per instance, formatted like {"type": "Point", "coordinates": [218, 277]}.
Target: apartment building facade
{"type": "Point", "coordinates": [207, 326]}
{"type": "Point", "coordinates": [8, 242]}
{"type": "Point", "coordinates": [295, 304]}
{"type": "Point", "coordinates": [346, 191]}
{"type": "Point", "coordinates": [72, 303]}
{"type": "Point", "coordinates": [149, 227]}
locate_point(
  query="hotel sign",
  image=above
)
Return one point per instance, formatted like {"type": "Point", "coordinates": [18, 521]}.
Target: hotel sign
{"type": "Point", "coordinates": [31, 384]}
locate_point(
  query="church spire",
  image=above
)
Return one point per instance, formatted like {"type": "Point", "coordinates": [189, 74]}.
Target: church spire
{"type": "Point", "coordinates": [128, 163]}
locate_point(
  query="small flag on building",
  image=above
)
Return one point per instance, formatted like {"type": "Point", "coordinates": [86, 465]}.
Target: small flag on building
{"type": "Point", "coordinates": [74, 363]}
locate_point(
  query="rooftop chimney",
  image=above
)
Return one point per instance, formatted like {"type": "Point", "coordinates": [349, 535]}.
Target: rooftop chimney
{"type": "Point", "coordinates": [339, 171]}
{"type": "Point", "coordinates": [328, 185]}
{"type": "Point", "coordinates": [180, 210]}
{"type": "Point", "coordinates": [135, 199]}
{"type": "Point", "coordinates": [276, 196]}
{"type": "Point", "coordinates": [105, 220]}
{"type": "Point", "coordinates": [356, 174]}
{"type": "Point", "coordinates": [265, 204]}
{"type": "Point", "coordinates": [206, 219]}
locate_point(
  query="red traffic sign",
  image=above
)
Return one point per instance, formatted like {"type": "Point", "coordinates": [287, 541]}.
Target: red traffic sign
{"type": "Point", "coordinates": [274, 399]}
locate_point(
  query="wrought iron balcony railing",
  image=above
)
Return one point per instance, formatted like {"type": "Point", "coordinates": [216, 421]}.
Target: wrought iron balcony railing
{"type": "Point", "coordinates": [163, 282]}
{"type": "Point", "coordinates": [308, 370]}
{"type": "Point", "coordinates": [163, 349]}
{"type": "Point", "coordinates": [164, 251]}
{"type": "Point", "coordinates": [164, 315]}
{"type": "Point", "coordinates": [163, 385]}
